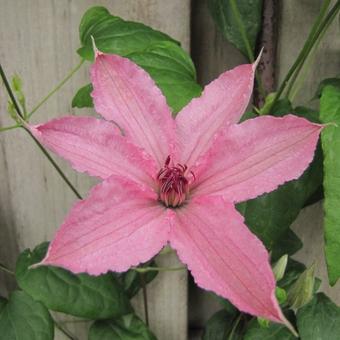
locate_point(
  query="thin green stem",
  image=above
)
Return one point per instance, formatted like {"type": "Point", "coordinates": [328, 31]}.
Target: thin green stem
{"type": "Point", "coordinates": [58, 87]}
{"type": "Point", "coordinates": [6, 270]}
{"type": "Point", "coordinates": [20, 117]}
{"type": "Point", "coordinates": [10, 92]}
{"type": "Point", "coordinates": [317, 29]}
{"type": "Point", "coordinates": [145, 298]}
{"type": "Point", "coordinates": [157, 269]}
{"type": "Point", "coordinates": [233, 330]}
{"type": "Point", "coordinates": [246, 42]}
{"type": "Point", "coordinates": [313, 32]}
{"type": "Point", "coordinates": [6, 128]}
{"type": "Point", "coordinates": [55, 165]}
{"type": "Point", "coordinates": [65, 331]}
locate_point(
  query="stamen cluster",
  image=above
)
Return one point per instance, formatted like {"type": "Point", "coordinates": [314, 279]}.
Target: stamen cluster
{"type": "Point", "coordinates": [173, 184]}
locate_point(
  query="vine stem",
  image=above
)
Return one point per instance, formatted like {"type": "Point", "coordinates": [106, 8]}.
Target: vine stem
{"type": "Point", "coordinates": [246, 42]}
{"type": "Point", "coordinates": [157, 269]}
{"type": "Point", "coordinates": [6, 270]}
{"type": "Point", "coordinates": [44, 151]}
{"type": "Point", "coordinates": [58, 87]}
{"type": "Point", "coordinates": [313, 32]}
{"type": "Point", "coordinates": [233, 330]}
{"type": "Point", "coordinates": [317, 29]}
{"type": "Point", "coordinates": [6, 128]}
{"type": "Point", "coordinates": [145, 298]}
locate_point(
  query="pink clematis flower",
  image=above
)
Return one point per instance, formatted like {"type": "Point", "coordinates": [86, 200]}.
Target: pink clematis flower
{"type": "Point", "coordinates": [175, 181]}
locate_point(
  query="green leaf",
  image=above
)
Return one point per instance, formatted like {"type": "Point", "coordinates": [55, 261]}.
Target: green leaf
{"type": "Point", "coordinates": [82, 295]}
{"type": "Point", "coordinates": [330, 137]}
{"type": "Point", "coordinates": [251, 15]}
{"type": "Point", "coordinates": [329, 81]}
{"type": "Point", "coordinates": [306, 112]}
{"type": "Point", "coordinates": [168, 64]}
{"type": "Point", "coordinates": [83, 97]}
{"type": "Point", "coordinates": [280, 266]}
{"type": "Point", "coordinates": [301, 292]}
{"type": "Point", "coordinates": [289, 244]}
{"type": "Point", "coordinates": [3, 303]}
{"type": "Point", "coordinates": [127, 327]}
{"type": "Point", "coordinates": [273, 332]}
{"type": "Point", "coordinates": [22, 318]}
{"type": "Point", "coordinates": [281, 295]}
{"type": "Point", "coordinates": [293, 271]}
{"type": "Point", "coordinates": [131, 280]}
{"type": "Point", "coordinates": [319, 320]}
{"type": "Point", "coordinates": [219, 326]}
{"type": "Point", "coordinates": [115, 35]}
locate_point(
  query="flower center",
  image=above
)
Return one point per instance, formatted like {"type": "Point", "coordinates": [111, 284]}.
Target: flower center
{"type": "Point", "coordinates": [173, 184]}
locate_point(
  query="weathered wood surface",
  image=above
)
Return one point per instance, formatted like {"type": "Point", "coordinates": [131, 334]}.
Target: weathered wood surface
{"type": "Point", "coordinates": [38, 41]}
{"type": "Point", "coordinates": [213, 55]}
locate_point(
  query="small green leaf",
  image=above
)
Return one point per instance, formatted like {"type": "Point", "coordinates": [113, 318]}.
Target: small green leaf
{"type": "Point", "coordinates": [251, 15]}
{"type": "Point", "coordinates": [330, 137]}
{"type": "Point", "coordinates": [329, 81]}
{"type": "Point", "coordinates": [293, 270]}
{"type": "Point", "coordinates": [264, 323]}
{"type": "Point", "coordinates": [319, 319]}
{"type": "Point", "coordinates": [131, 280]}
{"type": "Point", "coordinates": [83, 97]}
{"type": "Point", "coordinates": [22, 318]}
{"type": "Point", "coordinates": [127, 327]}
{"type": "Point", "coordinates": [219, 326]}
{"type": "Point", "coordinates": [168, 64]}
{"type": "Point", "coordinates": [279, 267]}
{"type": "Point", "coordinates": [281, 295]}
{"type": "Point", "coordinates": [82, 295]}
{"type": "Point", "coordinates": [301, 292]}
{"type": "Point", "coordinates": [273, 332]}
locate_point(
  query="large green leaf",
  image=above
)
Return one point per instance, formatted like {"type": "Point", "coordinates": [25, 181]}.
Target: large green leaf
{"type": "Point", "coordinates": [127, 327]}
{"type": "Point", "coordinates": [22, 318]}
{"type": "Point", "coordinates": [330, 137]}
{"type": "Point", "coordinates": [82, 295]}
{"type": "Point", "coordinates": [319, 319]}
{"type": "Point", "coordinates": [251, 15]}
{"type": "Point", "coordinates": [273, 332]}
{"type": "Point", "coordinates": [219, 326]}
{"type": "Point", "coordinates": [167, 63]}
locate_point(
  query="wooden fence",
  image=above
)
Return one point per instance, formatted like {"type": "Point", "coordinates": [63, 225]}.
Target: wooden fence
{"type": "Point", "coordinates": [38, 41]}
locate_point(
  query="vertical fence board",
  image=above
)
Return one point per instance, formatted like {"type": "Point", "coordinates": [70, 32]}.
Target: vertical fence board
{"type": "Point", "coordinates": [38, 41]}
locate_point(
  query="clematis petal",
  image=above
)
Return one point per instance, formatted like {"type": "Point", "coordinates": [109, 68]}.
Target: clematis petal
{"type": "Point", "coordinates": [223, 102]}
{"type": "Point", "coordinates": [125, 93]}
{"type": "Point", "coordinates": [95, 146]}
{"type": "Point", "coordinates": [224, 256]}
{"type": "Point", "coordinates": [257, 156]}
{"type": "Point", "coordinates": [119, 225]}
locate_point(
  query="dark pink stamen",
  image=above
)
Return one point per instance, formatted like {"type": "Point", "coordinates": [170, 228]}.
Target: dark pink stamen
{"type": "Point", "coordinates": [173, 184]}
